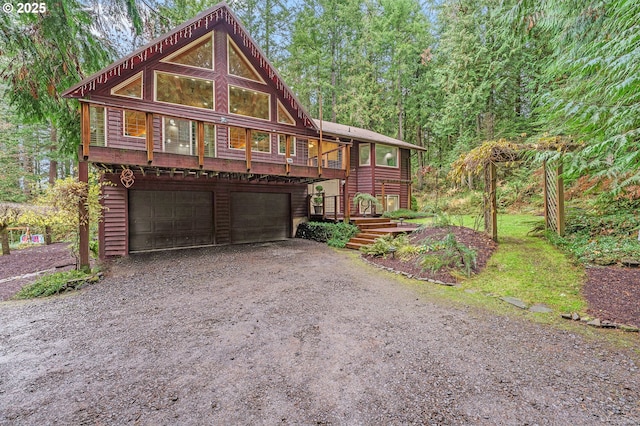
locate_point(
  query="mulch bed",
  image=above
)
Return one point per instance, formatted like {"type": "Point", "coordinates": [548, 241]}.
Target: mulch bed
{"type": "Point", "coordinates": [613, 294]}
{"type": "Point", "coordinates": [480, 242]}
{"type": "Point", "coordinates": [33, 259]}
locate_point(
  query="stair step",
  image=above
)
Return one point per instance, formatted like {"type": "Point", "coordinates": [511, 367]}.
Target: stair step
{"type": "Point", "coordinates": [364, 241]}
{"type": "Point", "coordinates": [377, 225]}
{"type": "Point", "coordinates": [354, 246]}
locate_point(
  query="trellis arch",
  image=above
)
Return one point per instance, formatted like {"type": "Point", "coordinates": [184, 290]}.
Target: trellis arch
{"type": "Point", "coordinates": [483, 160]}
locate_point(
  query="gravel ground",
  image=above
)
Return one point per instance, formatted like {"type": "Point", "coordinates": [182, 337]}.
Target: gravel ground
{"type": "Point", "coordinates": [294, 333]}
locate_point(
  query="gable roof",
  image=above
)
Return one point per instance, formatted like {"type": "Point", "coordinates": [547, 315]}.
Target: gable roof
{"type": "Point", "coordinates": [363, 135]}
{"type": "Point", "coordinates": [181, 35]}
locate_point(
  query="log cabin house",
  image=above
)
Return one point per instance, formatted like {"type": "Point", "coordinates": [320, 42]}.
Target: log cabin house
{"type": "Point", "coordinates": [205, 144]}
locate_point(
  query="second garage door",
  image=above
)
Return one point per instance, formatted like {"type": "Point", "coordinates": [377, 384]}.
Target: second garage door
{"type": "Point", "coordinates": [169, 219]}
{"type": "Point", "coordinates": [259, 217]}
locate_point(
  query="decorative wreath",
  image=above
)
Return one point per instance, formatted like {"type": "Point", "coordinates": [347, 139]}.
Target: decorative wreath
{"type": "Point", "coordinates": [127, 178]}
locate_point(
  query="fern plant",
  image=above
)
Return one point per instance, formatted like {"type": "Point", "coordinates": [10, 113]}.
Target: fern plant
{"type": "Point", "coordinates": [447, 253]}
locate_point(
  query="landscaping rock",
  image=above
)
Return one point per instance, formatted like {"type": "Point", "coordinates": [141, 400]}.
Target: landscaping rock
{"type": "Point", "coordinates": [515, 302]}
{"type": "Point", "coordinates": [566, 316]}
{"type": "Point", "coordinates": [607, 324]}
{"type": "Point", "coordinates": [595, 323]}
{"type": "Point", "coordinates": [575, 316]}
{"type": "Point", "coordinates": [540, 308]}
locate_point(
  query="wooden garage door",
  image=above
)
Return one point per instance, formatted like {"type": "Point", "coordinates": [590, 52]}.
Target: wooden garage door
{"type": "Point", "coordinates": [169, 219]}
{"type": "Point", "coordinates": [259, 217]}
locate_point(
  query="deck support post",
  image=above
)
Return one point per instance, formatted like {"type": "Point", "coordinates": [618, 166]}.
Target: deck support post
{"type": "Point", "coordinates": [493, 201]}
{"type": "Point", "coordinates": [247, 148]}
{"type": "Point", "coordinates": [345, 200]}
{"type": "Point", "coordinates": [149, 136]}
{"type": "Point", "coordinates": [85, 129]}
{"type": "Point", "coordinates": [560, 195]}
{"type": "Point", "coordinates": [287, 153]}
{"type": "Point", "coordinates": [83, 216]}
{"type": "Point", "coordinates": [200, 142]}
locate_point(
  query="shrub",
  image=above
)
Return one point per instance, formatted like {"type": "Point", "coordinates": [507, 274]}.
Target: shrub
{"type": "Point", "coordinates": [405, 214]}
{"type": "Point", "coordinates": [335, 234]}
{"type": "Point", "coordinates": [386, 244]}
{"type": "Point", "coordinates": [50, 284]}
{"type": "Point", "coordinates": [447, 253]}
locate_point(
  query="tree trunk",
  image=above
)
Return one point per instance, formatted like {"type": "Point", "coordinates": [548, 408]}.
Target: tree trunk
{"type": "Point", "coordinates": [4, 237]}
{"type": "Point", "coordinates": [400, 110]}
{"type": "Point", "coordinates": [53, 164]}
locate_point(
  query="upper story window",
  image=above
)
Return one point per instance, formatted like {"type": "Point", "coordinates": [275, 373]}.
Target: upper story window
{"type": "Point", "coordinates": [365, 154]}
{"type": "Point", "coordinates": [179, 136]}
{"type": "Point", "coordinates": [131, 88]}
{"type": "Point", "coordinates": [209, 140]}
{"type": "Point", "coordinates": [249, 102]}
{"type": "Point", "coordinates": [182, 90]}
{"type": "Point", "coordinates": [283, 115]}
{"type": "Point", "coordinates": [97, 125]}
{"type": "Point", "coordinates": [260, 141]}
{"type": "Point", "coordinates": [282, 145]}
{"type": "Point", "coordinates": [239, 65]}
{"type": "Point", "coordinates": [198, 54]}
{"type": "Point", "coordinates": [135, 124]}
{"type": "Point", "coordinates": [386, 156]}
{"type": "Point", "coordinates": [237, 138]}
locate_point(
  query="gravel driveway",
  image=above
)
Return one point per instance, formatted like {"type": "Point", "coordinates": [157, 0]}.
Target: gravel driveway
{"type": "Point", "coordinates": [294, 333]}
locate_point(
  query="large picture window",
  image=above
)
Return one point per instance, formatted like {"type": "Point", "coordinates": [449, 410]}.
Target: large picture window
{"type": "Point", "coordinates": [97, 126]}
{"type": "Point", "coordinates": [386, 156]}
{"type": "Point", "coordinates": [249, 103]}
{"type": "Point", "coordinates": [198, 54]}
{"type": "Point", "coordinates": [135, 124]}
{"type": "Point", "coordinates": [283, 115]}
{"type": "Point", "coordinates": [131, 88]}
{"type": "Point", "coordinates": [365, 154]}
{"type": "Point", "coordinates": [181, 90]}
{"type": "Point", "coordinates": [178, 136]}
{"type": "Point", "coordinates": [239, 65]}
{"type": "Point", "coordinates": [282, 145]}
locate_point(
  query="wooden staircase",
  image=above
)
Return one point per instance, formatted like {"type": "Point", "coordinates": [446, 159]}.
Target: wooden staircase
{"type": "Point", "coordinates": [375, 227]}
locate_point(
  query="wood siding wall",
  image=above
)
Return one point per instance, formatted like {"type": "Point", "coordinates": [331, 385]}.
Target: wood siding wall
{"type": "Point", "coordinates": [113, 230]}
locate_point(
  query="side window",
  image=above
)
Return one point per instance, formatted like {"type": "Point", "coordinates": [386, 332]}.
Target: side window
{"type": "Point", "coordinates": [97, 118]}
{"type": "Point", "coordinates": [365, 154]}
{"type": "Point", "coordinates": [134, 124]}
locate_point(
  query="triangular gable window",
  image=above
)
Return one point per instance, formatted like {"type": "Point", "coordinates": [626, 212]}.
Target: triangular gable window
{"type": "Point", "coordinates": [239, 65]}
{"type": "Point", "coordinates": [283, 115]}
{"type": "Point", "coordinates": [131, 88]}
{"type": "Point", "coordinates": [198, 54]}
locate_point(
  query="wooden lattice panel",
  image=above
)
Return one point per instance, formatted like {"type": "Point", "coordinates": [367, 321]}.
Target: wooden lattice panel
{"type": "Point", "coordinates": [553, 198]}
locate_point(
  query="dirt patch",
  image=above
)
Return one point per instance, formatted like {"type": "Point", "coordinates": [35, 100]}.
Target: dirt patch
{"type": "Point", "coordinates": [54, 257]}
{"type": "Point", "coordinates": [613, 293]}
{"type": "Point", "coordinates": [480, 242]}
{"type": "Point", "coordinates": [294, 333]}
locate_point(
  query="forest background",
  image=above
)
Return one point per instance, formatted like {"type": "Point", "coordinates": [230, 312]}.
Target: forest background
{"type": "Point", "coordinates": [447, 75]}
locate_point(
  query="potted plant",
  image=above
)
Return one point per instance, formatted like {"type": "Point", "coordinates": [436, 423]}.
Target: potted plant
{"type": "Point", "coordinates": [367, 201]}
{"type": "Point", "coordinates": [318, 199]}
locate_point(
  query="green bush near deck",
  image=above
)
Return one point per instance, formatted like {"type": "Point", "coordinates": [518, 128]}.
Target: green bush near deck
{"type": "Point", "coordinates": [406, 214]}
{"type": "Point", "coordinates": [334, 234]}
